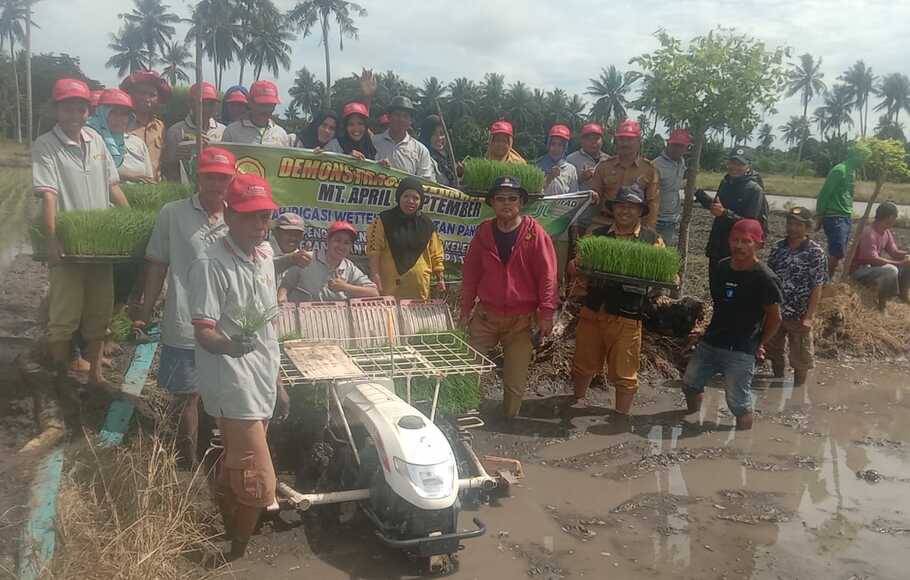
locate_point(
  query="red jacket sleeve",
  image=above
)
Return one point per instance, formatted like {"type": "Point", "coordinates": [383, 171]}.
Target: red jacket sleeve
{"type": "Point", "coordinates": [547, 289]}
{"type": "Point", "coordinates": [471, 271]}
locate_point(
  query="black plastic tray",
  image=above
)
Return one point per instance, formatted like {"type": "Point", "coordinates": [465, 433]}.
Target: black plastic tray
{"type": "Point", "coordinates": [608, 277]}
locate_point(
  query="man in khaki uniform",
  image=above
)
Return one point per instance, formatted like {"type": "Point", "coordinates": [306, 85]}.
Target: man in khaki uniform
{"type": "Point", "coordinates": [628, 167]}
{"type": "Point", "coordinates": [148, 90]}
{"type": "Point", "coordinates": [73, 170]}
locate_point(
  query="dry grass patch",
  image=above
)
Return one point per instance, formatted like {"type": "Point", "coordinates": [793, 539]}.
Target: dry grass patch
{"type": "Point", "coordinates": [849, 324]}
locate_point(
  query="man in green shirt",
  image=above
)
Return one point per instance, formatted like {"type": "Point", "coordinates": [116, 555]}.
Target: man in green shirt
{"type": "Point", "coordinates": [834, 206]}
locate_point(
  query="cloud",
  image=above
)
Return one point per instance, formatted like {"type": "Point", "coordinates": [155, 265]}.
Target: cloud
{"type": "Point", "coordinates": [546, 44]}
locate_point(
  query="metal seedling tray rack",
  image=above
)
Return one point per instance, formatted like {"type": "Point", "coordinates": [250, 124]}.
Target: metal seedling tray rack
{"type": "Point", "coordinates": [629, 280]}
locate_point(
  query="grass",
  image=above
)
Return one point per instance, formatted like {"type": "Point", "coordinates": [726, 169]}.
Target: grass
{"type": "Point", "coordinates": [628, 258]}
{"type": "Point", "coordinates": [105, 232]}
{"type": "Point", "coordinates": [479, 174]}
{"type": "Point", "coordinates": [810, 186]}
{"type": "Point", "coordinates": [15, 192]}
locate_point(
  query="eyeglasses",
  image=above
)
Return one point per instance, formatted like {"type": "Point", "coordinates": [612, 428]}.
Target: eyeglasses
{"type": "Point", "coordinates": [506, 198]}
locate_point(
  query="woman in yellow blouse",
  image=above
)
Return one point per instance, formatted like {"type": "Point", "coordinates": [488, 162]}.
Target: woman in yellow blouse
{"type": "Point", "coordinates": [404, 248]}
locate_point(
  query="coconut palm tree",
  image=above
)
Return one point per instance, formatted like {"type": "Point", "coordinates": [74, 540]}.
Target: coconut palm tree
{"type": "Point", "coordinates": [895, 94]}
{"type": "Point", "coordinates": [805, 79]}
{"type": "Point", "coordinates": [307, 93]}
{"type": "Point", "coordinates": [269, 46]}
{"type": "Point", "coordinates": [309, 13]}
{"type": "Point", "coordinates": [175, 58]}
{"type": "Point", "coordinates": [130, 53]}
{"type": "Point", "coordinates": [796, 130]}
{"type": "Point", "coordinates": [518, 103]}
{"type": "Point", "coordinates": [557, 106]}
{"type": "Point", "coordinates": [610, 90]}
{"type": "Point", "coordinates": [576, 111]}
{"type": "Point", "coordinates": [220, 33]}
{"type": "Point", "coordinates": [836, 111]}
{"type": "Point", "coordinates": [493, 94]}
{"type": "Point", "coordinates": [861, 81]}
{"type": "Point", "coordinates": [765, 136]}
{"type": "Point", "coordinates": [13, 16]}
{"type": "Point", "coordinates": [154, 23]}
{"type": "Point", "coordinates": [432, 92]}
{"type": "Point", "coordinates": [464, 96]}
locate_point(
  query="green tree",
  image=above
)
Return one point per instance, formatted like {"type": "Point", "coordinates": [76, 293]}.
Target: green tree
{"type": "Point", "coordinates": [433, 91]}
{"type": "Point", "coordinates": [307, 93]}
{"type": "Point", "coordinates": [309, 13]}
{"type": "Point", "coordinates": [130, 53]}
{"type": "Point", "coordinates": [610, 90]}
{"type": "Point", "coordinates": [861, 81]}
{"type": "Point", "coordinates": [493, 95]}
{"type": "Point", "coordinates": [218, 25]}
{"type": "Point", "coordinates": [575, 109]}
{"type": "Point", "coordinates": [464, 96]}
{"type": "Point", "coordinates": [888, 129]}
{"type": "Point", "coordinates": [795, 131]}
{"type": "Point", "coordinates": [13, 15]}
{"type": "Point", "coordinates": [886, 160]}
{"type": "Point", "coordinates": [805, 79]}
{"type": "Point", "coordinates": [835, 113]}
{"type": "Point", "coordinates": [765, 136]}
{"type": "Point", "coordinates": [895, 94]}
{"type": "Point", "coordinates": [269, 46]}
{"type": "Point", "coordinates": [518, 104]}
{"type": "Point", "coordinates": [154, 24]}
{"type": "Point", "coordinates": [720, 79]}
{"type": "Point", "coordinates": [176, 57]}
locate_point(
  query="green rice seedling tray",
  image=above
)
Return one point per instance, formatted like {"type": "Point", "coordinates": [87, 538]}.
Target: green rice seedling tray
{"type": "Point", "coordinates": [627, 280]}
{"type": "Point", "coordinates": [479, 175]}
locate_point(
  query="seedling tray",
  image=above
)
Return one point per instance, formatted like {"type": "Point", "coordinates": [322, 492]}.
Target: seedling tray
{"type": "Point", "coordinates": [629, 280]}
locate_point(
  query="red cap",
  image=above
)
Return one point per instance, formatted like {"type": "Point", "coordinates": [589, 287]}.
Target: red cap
{"type": "Point", "coordinates": [560, 131]}
{"type": "Point", "coordinates": [384, 119]}
{"type": "Point", "coordinates": [95, 95]}
{"type": "Point", "coordinates": [341, 226]}
{"type": "Point", "coordinates": [592, 128]}
{"type": "Point", "coordinates": [217, 160]}
{"type": "Point", "coordinates": [236, 97]}
{"type": "Point", "coordinates": [748, 228]}
{"type": "Point", "coordinates": [71, 89]}
{"type": "Point", "coordinates": [115, 98]}
{"type": "Point", "coordinates": [680, 136]}
{"type": "Point", "coordinates": [355, 108]}
{"type": "Point", "coordinates": [629, 128]}
{"type": "Point", "coordinates": [208, 92]}
{"type": "Point", "coordinates": [147, 76]}
{"type": "Point", "coordinates": [248, 193]}
{"type": "Point", "coordinates": [264, 92]}
{"type": "Point", "coordinates": [502, 128]}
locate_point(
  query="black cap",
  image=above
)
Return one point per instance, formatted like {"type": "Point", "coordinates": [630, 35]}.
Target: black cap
{"type": "Point", "coordinates": [741, 154]}
{"type": "Point", "coordinates": [631, 194]}
{"type": "Point", "coordinates": [401, 103]}
{"type": "Point", "coordinates": [510, 183]}
{"type": "Point", "coordinates": [801, 214]}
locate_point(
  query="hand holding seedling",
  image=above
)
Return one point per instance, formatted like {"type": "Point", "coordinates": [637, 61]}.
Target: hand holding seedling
{"type": "Point", "coordinates": [242, 345]}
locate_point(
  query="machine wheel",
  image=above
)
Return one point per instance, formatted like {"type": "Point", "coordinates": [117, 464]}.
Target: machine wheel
{"type": "Point", "coordinates": [438, 566]}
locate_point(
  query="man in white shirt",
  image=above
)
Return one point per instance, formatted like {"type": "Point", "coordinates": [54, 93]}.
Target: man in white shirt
{"type": "Point", "coordinates": [396, 148]}
{"type": "Point", "coordinates": [180, 140]}
{"type": "Point", "coordinates": [259, 128]}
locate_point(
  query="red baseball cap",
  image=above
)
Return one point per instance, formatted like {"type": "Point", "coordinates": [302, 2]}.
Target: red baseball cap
{"type": "Point", "coordinates": [95, 96]}
{"type": "Point", "coordinates": [502, 128]}
{"type": "Point", "coordinates": [237, 97]}
{"type": "Point", "coordinates": [248, 193]}
{"type": "Point", "coordinates": [561, 131]}
{"type": "Point", "coordinates": [217, 160]}
{"type": "Point", "coordinates": [748, 228]}
{"type": "Point", "coordinates": [115, 98]}
{"type": "Point", "coordinates": [680, 136]}
{"type": "Point", "coordinates": [208, 92]}
{"type": "Point", "coordinates": [355, 108]}
{"type": "Point", "coordinates": [384, 119]}
{"type": "Point", "coordinates": [71, 89]}
{"type": "Point", "coordinates": [629, 128]}
{"type": "Point", "coordinates": [592, 128]}
{"type": "Point", "coordinates": [264, 92]}
{"type": "Point", "coordinates": [341, 226]}
{"type": "Point", "coordinates": [147, 76]}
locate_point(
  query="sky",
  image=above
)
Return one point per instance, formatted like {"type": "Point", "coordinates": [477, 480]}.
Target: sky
{"type": "Point", "coordinates": [545, 44]}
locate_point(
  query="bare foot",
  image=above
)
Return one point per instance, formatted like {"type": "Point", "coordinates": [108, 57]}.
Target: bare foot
{"type": "Point", "coordinates": [693, 402]}
{"type": "Point", "coordinates": [744, 423]}
{"type": "Point", "coordinates": [80, 365]}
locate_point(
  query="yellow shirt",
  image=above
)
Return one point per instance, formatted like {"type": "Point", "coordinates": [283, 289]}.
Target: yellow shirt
{"type": "Point", "coordinates": [415, 283]}
{"type": "Point", "coordinates": [153, 135]}
{"type": "Point", "coordinates": [611, 174]}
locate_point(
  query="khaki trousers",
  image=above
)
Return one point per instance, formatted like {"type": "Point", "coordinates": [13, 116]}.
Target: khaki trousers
{"type": "Point", "coordinates": [81, 297]}
{"type": "Point", "coordinates": [487, 330]}
{"type": "Point", "coordinates": [601, 337]}
{"type": "Point", "coordinates": [802, 348]}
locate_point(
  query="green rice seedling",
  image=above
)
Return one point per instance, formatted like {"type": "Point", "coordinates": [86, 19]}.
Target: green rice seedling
{"type": "Point", "coordinates": [105, 232]}
{"type": "Point", "coordinates": [121, 326]}
{"type": "Point", "coordinates": [457, 393]}
{"type": "Point", "coordinates": [252, 318]}
{"type": "Point", "coordinates": [628, 258]}
{"type": "Point", "coordinates": [479, 174]}
{"type": "Point", "coordinates": [153, 196]}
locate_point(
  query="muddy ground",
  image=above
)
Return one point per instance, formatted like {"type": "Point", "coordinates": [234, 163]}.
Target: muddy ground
{"type": "Point", "coordinates": [817, 490]}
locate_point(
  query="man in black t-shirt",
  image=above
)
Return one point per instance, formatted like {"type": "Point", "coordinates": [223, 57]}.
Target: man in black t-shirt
{"type": "Point", "coordinates": [747, 297]}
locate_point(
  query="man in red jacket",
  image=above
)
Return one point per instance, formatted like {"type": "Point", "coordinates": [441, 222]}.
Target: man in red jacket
{"type": "Point", "coordinates": [509, 279]}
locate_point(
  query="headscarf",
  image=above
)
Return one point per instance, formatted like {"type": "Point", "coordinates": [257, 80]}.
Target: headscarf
{"type": "Point", "coordinates": [408, 235]}
{"type": "Point", "coordinates": [546, 163]}
{"type": "Point", "coordinates": [114, 141]}
{"type": "Point", "coordinates": [512, 156]}
{"type": "Point", "coordinates": [426, 136]}
{"type": "Point", "coordinates": [225, 119]}
{"type": "Point", "coordinates": [348, 145]}
{"type": "Point", "coordinates": [309, 136]}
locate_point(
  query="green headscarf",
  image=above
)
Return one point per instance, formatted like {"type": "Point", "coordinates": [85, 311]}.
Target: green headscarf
{"type": "Point", "coordinates": [114, 141]}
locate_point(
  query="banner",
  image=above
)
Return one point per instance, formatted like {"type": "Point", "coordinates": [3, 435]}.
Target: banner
{"type": "Point", "coordinates": [326, 187]}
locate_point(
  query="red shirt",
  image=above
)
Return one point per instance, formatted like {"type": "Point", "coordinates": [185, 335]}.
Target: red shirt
{"type": "Point", "coordinates": [872, 245]}
{"type": "Point", "coordinates": [525, 284]}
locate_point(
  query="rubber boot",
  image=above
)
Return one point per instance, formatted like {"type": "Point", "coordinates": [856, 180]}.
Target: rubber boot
{"type": "Point", "coordinates": [693, 402]}
{"type": "Point", "coordinates": [624, 399]}
{"type": "Point", "coordinates": [799, 377]}
{"type": "Point", "coordinates": [744, 422]}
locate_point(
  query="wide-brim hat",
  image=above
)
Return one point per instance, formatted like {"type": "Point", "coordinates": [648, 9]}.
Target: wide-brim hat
{"type": "Point", "coordinates": [401, 103]}
{"type": "Point", "coordinates": [508, 183]}
{"type": "Point", "coordinates": [630, 194]}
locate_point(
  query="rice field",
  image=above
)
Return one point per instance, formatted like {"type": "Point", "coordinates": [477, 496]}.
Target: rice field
{"type": "Point", "coordinates": [15, 198]}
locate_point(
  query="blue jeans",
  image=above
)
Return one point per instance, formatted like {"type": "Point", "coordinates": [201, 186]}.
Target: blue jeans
{"type": "Point", "coordinates": [737, 367]}
{"type": "Point", "coordinates": [177, 370]}
{"type": "Point", "coordinates": [668, 231]}
{"type": "Point", "coordinates": [837, 230]}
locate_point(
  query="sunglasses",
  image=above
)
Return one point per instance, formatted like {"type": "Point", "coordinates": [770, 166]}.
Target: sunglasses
{"type": "Point", "coordinates": [506, 198]}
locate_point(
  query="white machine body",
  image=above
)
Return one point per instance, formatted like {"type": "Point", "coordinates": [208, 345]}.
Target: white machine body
{"type": "Point", "coordinates": [417, 460]}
